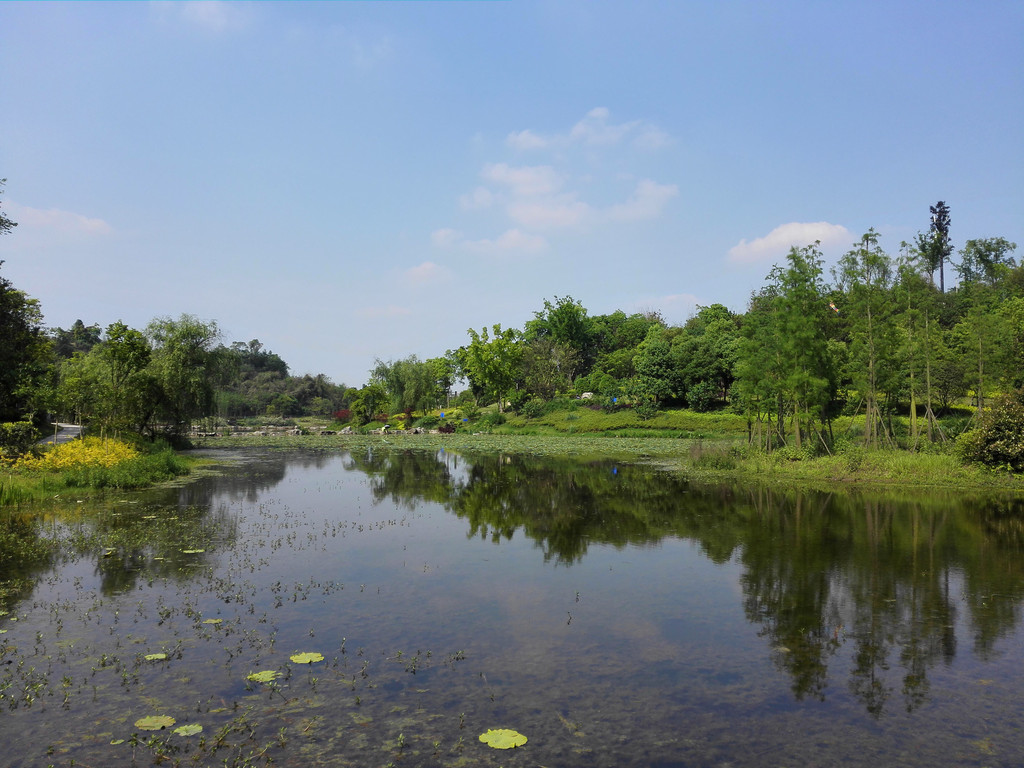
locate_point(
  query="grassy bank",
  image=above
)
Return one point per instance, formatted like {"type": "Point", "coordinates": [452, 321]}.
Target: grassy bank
{"type": "Point", "coordinates": [713, 459]}
{"type": "Point", "coordinates": [92, 464]}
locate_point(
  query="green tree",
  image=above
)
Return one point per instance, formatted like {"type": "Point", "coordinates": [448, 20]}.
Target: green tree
{"type": "Point", "coordinates": [548, 367]}
{"type": "Point", "coordinates": [6, 225]}
{"type": "Point", "coordinates": [410, 383]}
{"type": "Point", "coordinates": [865, 275]}
{"type": "Point", "coordinates": [987, 261]}
{"type": "Point", "coordinates": [24, 353]}
{"type": "Point", "coordinates": [184, 365]}
{"type": "Point", "coordinates": [923, 343]}
{"type": "Point", "coordinates": [657, 378]}
{"type": "Point", "coordinates": [935, 246]}
{"type": "Point", "coordinates": [370, 401]}
{"type": "Point", "coordinates": [565, 323]}
{"type": "Point", "coordinates": [785, 361]}
{"type": "Point", "coordinates": [78, 338]}
{"type": "Point", "coordinates": [706, 351]}
{"type": "Point", "coordinates": [446, 372]}
{"type": "Point", "coordinates": [493, 364]}
{"type": "Point", "coordinates": [125, 354]}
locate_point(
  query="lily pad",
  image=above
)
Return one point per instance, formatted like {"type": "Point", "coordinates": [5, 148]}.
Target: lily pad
{"type": "Point", "coordinates": [156, 657]}
{"type": "Point", "coordinates": [307, 658]}
{"type": "Point", "coordinates": [189, 730]}
{"type": "Point", "coordinates": [212, 621]}
{"type": "Point", "coordinates": [115, 742]}
{"type": "Point", "coordinates": [154, 722]}
{"type": "Point", "coordinates": [502, 738]}
{"type": "Point", "coordinates": [265, 676]}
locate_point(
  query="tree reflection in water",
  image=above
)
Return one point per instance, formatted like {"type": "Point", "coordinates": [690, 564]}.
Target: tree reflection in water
{"type": "Point", "coordinates": [867, 584]}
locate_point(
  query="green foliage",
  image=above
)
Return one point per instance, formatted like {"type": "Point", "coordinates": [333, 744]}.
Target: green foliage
{"type": "Point", "coordinates": [411, 383]}
{"type": "Point", "coordinates": [999, 439]}
{"type": "Point", "coordinates": [493, 364]}
{"type": "Point", "coordinates": [702, 396]}
{"type": "Point", "coordinates": [24, 350]}
{"type": "Point", "coordinates": [430, 421]}
{"type": "Point", "coordinates": [564, 328]}
{"type": "Point", "coordinates": [491, 420]}
{"type": "Point", "coordinates": [185, 367]}
{"type": "Point", "coordinates": [16, 438]}
{"type": "Point", "coordinates": [533, 408]}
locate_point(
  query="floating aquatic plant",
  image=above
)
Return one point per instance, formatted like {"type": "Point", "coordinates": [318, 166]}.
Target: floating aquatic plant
{"type": "Point", "coordinates": [265, 676]}
{"type": "Point", "coordinates": [307, 658]}
{"type": "Point", "coordinates": [189, 730]}
{"type": "Point", "coordinates": [212, 621]}
{"type": "Point", "coordinates": [154, 722]}
{"type": "Point", "coordinates": [502, 738]}
{"type": "Point", "coordinates": [155, 657]}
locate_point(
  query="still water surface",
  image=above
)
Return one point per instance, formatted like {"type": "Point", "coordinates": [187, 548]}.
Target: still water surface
{"type": "Point", "coordinates": [614, 614]}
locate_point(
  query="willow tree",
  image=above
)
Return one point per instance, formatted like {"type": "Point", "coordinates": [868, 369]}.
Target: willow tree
{"type": "Point", "coordinates": [185, 366]}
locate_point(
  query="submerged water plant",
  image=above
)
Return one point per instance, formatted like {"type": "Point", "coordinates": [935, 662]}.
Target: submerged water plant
{"type": "Point", "coordinates": [265, 676]}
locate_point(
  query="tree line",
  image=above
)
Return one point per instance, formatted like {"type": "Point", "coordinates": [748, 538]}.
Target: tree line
{"type": "Point", "coordinates": [876, 336]}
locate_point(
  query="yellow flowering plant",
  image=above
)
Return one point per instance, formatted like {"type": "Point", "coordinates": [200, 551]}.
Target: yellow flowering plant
{"type": "Point", "coordinates": [89, 452]}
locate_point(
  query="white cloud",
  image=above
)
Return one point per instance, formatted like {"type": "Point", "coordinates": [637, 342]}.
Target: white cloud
{"type": "Point", "coordinates": [526, 139]}
{"type": "Point", "coordinates": [54, 221]}
{"type": "Point", "coordinates": [647, 201]}
{"type": "Point", "coordinates": [512, 240]}
{"type": "Point", "coordinates": [539, 198]}
{"type": "Point", "coordinates": [652, 138]}
{"type": "Point", "coordinates": [524, 181]}
{"type": "Point", "coordinates": [595, 130]}
{"type": "Point", "coordinates": [592, 131]}
{"type": "Point", "coordinates": [211, 15]}
{"type": "Point", "coordinates": [478, 199]}
{"type": "Point", "coordinates": [563, 211]}
{"type": "Point", "coordinates": [445, 238]}
{"type": "Point", "coordinates": [427, 272]}
{"type": "Point", "coordinates": [786, 236]}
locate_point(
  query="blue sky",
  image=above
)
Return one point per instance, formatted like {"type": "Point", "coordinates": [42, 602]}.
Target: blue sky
{"type": "Point", "coordinates": [348, 181]}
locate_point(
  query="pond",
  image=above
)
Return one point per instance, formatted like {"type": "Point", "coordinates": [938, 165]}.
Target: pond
{"type": "Point", "coordinates": [614, 614]}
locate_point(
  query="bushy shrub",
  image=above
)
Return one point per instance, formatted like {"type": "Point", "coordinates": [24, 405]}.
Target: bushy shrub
{"type": "Point", "coordinates": [702, 396]}
{"type": "Point", "coordinates": [430, 421]}
{"type": "Point", "coordinates": [998, 441]}
{"type": "Point", "coordinates": [469, 410]}
{"type": "Point", "coordinates": [491, 420]}
{"type": "Point", "coordinates": [17, 437]}
{"type": "Point", "coordinates": [645, 405]}
{"type": "Point", "coordinates": [533, 408]}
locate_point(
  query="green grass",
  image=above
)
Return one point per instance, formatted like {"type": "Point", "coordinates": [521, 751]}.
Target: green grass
{"type": "Point", "coordinates": [674, 423]}
{"type": "Point", "coordinates": [720, 458]}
